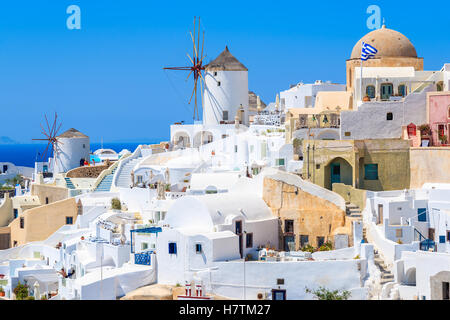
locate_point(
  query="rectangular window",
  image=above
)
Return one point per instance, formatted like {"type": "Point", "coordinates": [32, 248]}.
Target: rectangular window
{"type": "Point", "coordinates": [249, 240]}
{"type": "Point", "coordinates": [389, 116]}
{"type": "Point", "coordinates": [422, 214]}
{"type": "Point", "coordinates": [347, 133]}
{"type": "Point", "coordinates": [225, 115]}
{"type": "Point", "coordinates": [238, 228]}
{"type": "Point", "coordinates": [288, 226]}
{"type": "Point", "coordinates": [22, 222]}
{"type": "Point", "coordinates": [398, 233]}
{"type": "Point", "coordinates": [218, 83]}
{"type": "Point", "coordinates": [172, 248]}
{"type": "Point", "coordinates": [371, 171]}
{"type": "Point", "coordinates": [46, 200]}
{"type": "Point", "coordinates": [304, 239]}
{"type": "Point", "coordinates": [320, 241]}
{"type": "Point", "coordinates": [441, 239]}
{"type": "Point", "coordinates": [16, 213]}
{"type": "Point", "coordinates": [198, 248]}
{"type": "Point", "coordinates": [279, 162]}
{"type": "Point", "coordinates": [235, 148]}
{"type": "Point", "coordinates": [144, 246]}
{"type": "Point", "coordinates": [69, 220]}
{"type": "Point", "coordinates": [139, 179]}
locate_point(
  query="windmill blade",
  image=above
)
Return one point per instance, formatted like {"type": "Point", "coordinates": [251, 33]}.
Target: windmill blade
{"type": "Point", "coordinates": [193, 90]}
{"type": "Point", "coordinates": [203, 43]}
{"type": "Point", "coordinates": [48, 126]}
{"type": "Point", "coordinates": [44, 154]}
{"type": "Point", "coordinates": [190, 58]}
{"type": "Point", "coordinates": [177, 68]}
{"type": "Point", "coordinates": [43, 131]}
{"type": "Point", "coordinates": [189, 75]}
{"type": "Point", "coordinates": [198, 38]}
{"type": "Point", "coordinates": [56, 132]}
{"type": "Point", "coordinates": [193, 42]}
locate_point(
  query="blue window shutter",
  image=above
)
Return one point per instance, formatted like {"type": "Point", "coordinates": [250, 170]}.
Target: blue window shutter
{"type": "Point", "coordinates": [441, 239]}
{"type": "Point", "coordinates": [172, 248]}
{"type": "Point", "coordinates": [371, 171]}
{"type": "Point", "coordinates": [422, 214]}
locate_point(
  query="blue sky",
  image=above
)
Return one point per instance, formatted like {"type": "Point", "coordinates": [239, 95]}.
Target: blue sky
{"type": "Point", "coordinates": [107, 80]}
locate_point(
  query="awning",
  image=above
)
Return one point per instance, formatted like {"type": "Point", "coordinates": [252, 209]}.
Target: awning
{"type": "Point", "coordinates": [45, 278]}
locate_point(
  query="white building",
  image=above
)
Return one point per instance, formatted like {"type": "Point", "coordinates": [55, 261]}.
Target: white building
{"type": "Point", "coordinates": [72, 150]}
{"type": "Point", "coordinates": [304, 95]}
{"type": "Point", "coordinates": [226, 90]}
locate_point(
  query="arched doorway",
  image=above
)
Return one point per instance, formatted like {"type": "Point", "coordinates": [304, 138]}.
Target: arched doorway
{"type": "Point", "coordinates": [202, 137]}
{"type": "Point", "coordinates": [338, 171]}
{"type": "Point", "coordinates": [181, 139]}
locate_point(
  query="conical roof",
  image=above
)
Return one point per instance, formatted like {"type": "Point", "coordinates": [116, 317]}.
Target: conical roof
{"type": "Point", "coordinates": [72, 133]}
{"type": "Point", "coordinates": [225, 62]}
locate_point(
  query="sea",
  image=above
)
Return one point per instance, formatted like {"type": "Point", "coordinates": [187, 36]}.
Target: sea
{"type": "Point", "coordinates": [26, 154]}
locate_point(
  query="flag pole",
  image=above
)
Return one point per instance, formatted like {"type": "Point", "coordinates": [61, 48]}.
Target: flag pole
{"type": "Point", "coordinates": [360, 79]}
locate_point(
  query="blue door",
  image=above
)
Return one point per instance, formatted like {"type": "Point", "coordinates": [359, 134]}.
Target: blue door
{"type": "Point", "coordinates": [335, 173]}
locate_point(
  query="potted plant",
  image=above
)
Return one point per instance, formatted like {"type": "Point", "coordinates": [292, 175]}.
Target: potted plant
{"type": "Point", "coordinates": [115, 204]}
{"type": "Point", "coordinates": [2, 292]}
{"type": "Point", "coordinates": [21, 291]}
{"type": "Point", "coordinates": [443, 138]}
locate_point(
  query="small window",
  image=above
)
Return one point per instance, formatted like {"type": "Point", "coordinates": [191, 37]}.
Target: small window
{"type": "Point", "coordinates": [317, 166]}
{"type": "Point", "coordinates": [144, 246]}
{"type": "Point", "coordinates": [84, 146]}
{"type": "Point", "coordinates": [172, 248]}
{"type": "Point", "coordinates": [238, 227]}
{"type": "Point", "coordinates": [198, 248]}
{"type": "Point", "coordinates": [249, 240]}
{"type": "Point", "coordinates": [22, 222]}
{"type": "Point", "coordinates": [16, 213]}
{"type": "Point", "coordinates": [280, 282]}
{"type": "Point", "coordinates": [304, 240]}
{"type": "Point", "coordinates": [215, 73]}
{"type": "Point", "coordinates": [69, 220]}
{"type": "Point", "coordinates": [370, 91]}
{"type": "Point", "coordinates": [371, 171]}
{"type": "Point", "coordinates": [398, 233]}
{"type": "Point", "coordinates": [279, 162]}
{"type": "Point", "coordinates": [389, 116]}
{"type": "Point", "coordinates": [218, 83]}
{"type": "Point", "coordinates": [235, 148]}
{"type": "Point", "coordinates": [139, 179]}
{"type": "Point", "coordinates": [288, 226]}
{"type": "Point", "coordinates": [347, 134]}
{"type": "Point", "coordinates": [442, 239]}
{"type": "Point", "coordinates": [46, 200]}
{"type": "Point", "coordinates": [422, 214]}
{"type": "Point", "coordinates": [320, 241]}
{"type": "Point", "coordinates": [402, 90]}
{"type": "Point", "coordinates": [225, 115]}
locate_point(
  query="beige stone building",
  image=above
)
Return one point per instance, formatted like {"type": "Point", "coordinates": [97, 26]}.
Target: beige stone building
{"type": "Point", "coordinates": [37, 224]}
{"type": "Point", "coordinates": [305, 218]}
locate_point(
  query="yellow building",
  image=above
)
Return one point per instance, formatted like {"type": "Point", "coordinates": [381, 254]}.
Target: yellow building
{"type": "Point", "coordinates": [37, 224]}
{"type": "Point", "coordinates": [377, 165]}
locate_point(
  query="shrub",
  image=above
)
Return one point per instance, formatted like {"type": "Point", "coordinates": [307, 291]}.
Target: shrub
{"type": "Point", "coordinates": [327, 246]}
{"type": "Point", "coordinates": [324, 294]}
{"type": "Point", "coordinates": [399, 241]}
{"type": "Point", "coordinates": [115, 204]}
{"type": "Point", "coordinates": [308, 248]}
{"type": "Point", "coordinates": [44, 297]}
{"type": "Point", "coordinates": [21, 291]}
{"type": "Point", "coordinates": [29, 298]}
{"type": "Point", "coordinates": [357, 257]}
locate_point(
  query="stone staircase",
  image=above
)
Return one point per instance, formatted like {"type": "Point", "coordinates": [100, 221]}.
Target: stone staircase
{"type": "Point", "coordinates": [352, 210]}
{"type": "Point", "coordinates": [69, 183]}
{"type": "Point", "coordinates": [124, 178]}
{"type": "Point", "coordinates": [105, 184]}
{"type": "Point", "coordinates": [386, 276]}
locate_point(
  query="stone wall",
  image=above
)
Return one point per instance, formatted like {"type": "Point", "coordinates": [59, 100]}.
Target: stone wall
{"type": "Point", "coordinates": [350, 194]}
{"type": "Point", "coordinates": [429, 165]}
{"type": "Point", "coordinates": [86, 172]}
{"type": "Point", "coordinates": [313, 216]}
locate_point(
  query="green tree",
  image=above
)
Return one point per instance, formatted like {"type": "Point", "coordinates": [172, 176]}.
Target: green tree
{"type": "Point", "coordinates": [21, 291]}
{"type": "Point", "coordinates": [324, 294]}
{"type": "Point", "coordinates": [18, 179]}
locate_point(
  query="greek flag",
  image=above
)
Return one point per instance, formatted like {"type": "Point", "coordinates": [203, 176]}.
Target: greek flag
{"type": "Point", "coordinates": [367, 51]}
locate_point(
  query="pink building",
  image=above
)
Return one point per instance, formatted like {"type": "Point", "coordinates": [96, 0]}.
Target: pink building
{"type": "Point", "coordinates": [438, 111]}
